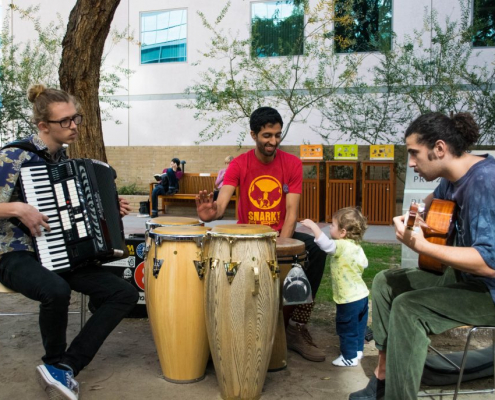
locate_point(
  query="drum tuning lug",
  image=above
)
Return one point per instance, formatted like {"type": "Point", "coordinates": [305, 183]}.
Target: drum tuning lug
{"type": "Point", "coordinates": [256, 282]}
{"type": "Point", "coordinates": [157, 265]}
{"type": "Point", "coordinates": [214, 263]}
{"type": "Point", "coordinates": [273, 265]}
{"type": "Point", "coordinates": [200, 268]}
{"type": "Point", "coordinates": [231, 270]}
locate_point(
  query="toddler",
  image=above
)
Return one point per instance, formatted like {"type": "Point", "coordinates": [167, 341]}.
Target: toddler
{"type": "Point", "coordinates": [349, 290]}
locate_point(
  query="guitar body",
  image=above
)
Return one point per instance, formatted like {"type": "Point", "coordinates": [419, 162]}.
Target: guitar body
{"type": "Point", "coordinates": [436, 229]}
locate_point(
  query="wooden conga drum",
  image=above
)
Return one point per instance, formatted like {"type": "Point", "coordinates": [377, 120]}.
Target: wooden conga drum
{"type": "Point", "coordinates": [171, 221]}
{"type": "Point", "coordinates": [241, 300]}
{"type": "Point", "coordinates": [289, 251]}
{"type": "Point", "coordinates": [166, 221]}
{"type": "Point", "coordinates": [174, 288]}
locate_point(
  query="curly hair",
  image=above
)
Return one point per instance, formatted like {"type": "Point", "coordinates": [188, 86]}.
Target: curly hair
{"type": "Point", "coordinates": [353, 221]}
{"type": "Point", "coordinates": [459, 132]}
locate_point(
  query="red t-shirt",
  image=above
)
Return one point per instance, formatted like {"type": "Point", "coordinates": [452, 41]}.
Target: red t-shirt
{"type": "Point", "coordinates": [263, 187]}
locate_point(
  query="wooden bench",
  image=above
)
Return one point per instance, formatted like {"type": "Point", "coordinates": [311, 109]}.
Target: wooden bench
{"type": "Point", "coordinates": [189, 187]}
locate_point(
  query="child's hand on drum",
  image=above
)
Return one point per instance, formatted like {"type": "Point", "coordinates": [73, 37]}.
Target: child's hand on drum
{"type": "Point", "coordinates": [311, 225]}
{"type": "Point", "coordinates": [205, 206]}
{"type": "Point", "coordinates": [308, 223]}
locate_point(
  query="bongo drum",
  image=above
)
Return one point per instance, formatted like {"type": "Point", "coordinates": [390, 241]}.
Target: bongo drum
{"type": "Point", "coordinates": [174, 289]}
{"type": "Point", "coordinates": [289, 251]}
{"type": "Point", "coordinates": [241, 306]}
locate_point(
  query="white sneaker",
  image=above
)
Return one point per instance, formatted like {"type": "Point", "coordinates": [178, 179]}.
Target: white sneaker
{"type": "Point", "coordinates": [360, 355]}
{"type": "Point", "coordinates": [342, 362]}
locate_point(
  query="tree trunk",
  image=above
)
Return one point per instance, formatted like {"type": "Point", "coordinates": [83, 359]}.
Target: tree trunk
{"type": "Point", "coordinates": [79, 72]}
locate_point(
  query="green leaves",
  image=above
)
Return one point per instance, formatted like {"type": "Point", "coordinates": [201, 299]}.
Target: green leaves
{"type": "Point", "coordinates": [225, 96]}
{"type": "Point", "coordinates": [38, 61]}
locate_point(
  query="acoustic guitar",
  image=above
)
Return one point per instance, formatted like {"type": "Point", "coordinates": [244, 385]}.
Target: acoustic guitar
{"type": "Point", "coordinates": [436, 229]}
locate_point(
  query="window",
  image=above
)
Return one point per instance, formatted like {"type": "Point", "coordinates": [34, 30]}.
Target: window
{"type": "Point", "coordinates": [363, 25]}
{"type": "Point", "coordinates": [483, 23]}
{"type": "Point", "coordinates": [164, 36]}
{"type": "Point", "coordinates": [277, 29]}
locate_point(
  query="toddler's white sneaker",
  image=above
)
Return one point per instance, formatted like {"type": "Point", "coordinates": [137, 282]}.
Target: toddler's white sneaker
{"type": "Point", "coordinates": [342, 362]}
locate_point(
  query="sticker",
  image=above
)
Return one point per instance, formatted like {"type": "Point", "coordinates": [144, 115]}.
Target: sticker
{"type": "Point", "coordinates": [125, 262]}
{"type": "Point", "coordinates": [127, 274]}
{"type": "Point", "coordinates": [140, 250]}
{"type": "Point", "coordinates": [139, 276]}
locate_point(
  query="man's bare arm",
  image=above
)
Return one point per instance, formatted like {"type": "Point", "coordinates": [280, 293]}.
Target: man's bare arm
{"type": "Point", "coordinates": [292, 209]}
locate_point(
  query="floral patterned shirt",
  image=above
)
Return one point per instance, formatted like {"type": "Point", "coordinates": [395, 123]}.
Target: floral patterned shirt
{"type": "Point", "coordinates": [11, 160]}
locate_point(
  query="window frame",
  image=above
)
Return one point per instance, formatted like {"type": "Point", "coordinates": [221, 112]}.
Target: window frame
{"type": "Point", "coordinates": [141, 14]}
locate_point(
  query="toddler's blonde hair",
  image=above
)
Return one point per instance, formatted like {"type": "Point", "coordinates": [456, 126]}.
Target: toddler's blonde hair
{"type": "Point", "coordinates": [351, 219]}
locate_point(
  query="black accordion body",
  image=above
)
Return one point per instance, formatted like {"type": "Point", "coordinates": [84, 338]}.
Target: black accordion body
{"type": "Point", "coordinates": [81, 199]}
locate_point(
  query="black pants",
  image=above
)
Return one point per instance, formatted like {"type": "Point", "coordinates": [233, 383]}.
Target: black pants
{"type": "Point", "coordinates": [317, 258]}
{"type": "Point", "coordinates": [112, 297]}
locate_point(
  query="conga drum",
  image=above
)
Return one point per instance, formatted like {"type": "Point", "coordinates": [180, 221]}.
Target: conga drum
{"type": "Point", "coordinates": [166, 221]}
{"type": "Point", "coordinates": [241, 306]}
{"type": "Point", "coordinates": [289, 252]}
{"type": "Point", "coordinates": [174, 288]}
{"type": "Point", "coordinates": [171, 221]}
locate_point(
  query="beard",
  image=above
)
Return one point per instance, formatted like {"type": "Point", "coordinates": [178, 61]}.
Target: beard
{"type": "Point", "coordinates": [267, 152]}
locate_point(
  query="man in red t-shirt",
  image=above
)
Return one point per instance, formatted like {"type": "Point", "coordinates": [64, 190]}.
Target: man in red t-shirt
{"type": "Point", "coordinates": [270, 185]}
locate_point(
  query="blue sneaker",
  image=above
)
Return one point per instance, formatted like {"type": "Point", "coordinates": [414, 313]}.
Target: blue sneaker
{"type": "Point", "coordinates": [57, 383]}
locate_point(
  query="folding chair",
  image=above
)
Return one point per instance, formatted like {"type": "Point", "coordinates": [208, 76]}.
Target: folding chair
{"type": "Point", "coordinates": [6, 290]}
{"type": "Point", "coordinates": [457, 391]}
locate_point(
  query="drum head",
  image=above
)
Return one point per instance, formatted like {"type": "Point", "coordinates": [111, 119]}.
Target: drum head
{"type": "Point", "coordinates": [289, 247]}
{"type": "Point", "coordinates": [171, 221]}
{"type": "Point", "coordinates": [182, 230]}
{"type": "Point", "coordinates": [242, 229]}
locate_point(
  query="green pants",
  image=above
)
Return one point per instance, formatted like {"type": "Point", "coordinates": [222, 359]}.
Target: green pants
{"type": "Point", "coordinates": [410, 304]}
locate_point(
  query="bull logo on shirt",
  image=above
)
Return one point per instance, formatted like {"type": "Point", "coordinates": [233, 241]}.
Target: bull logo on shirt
{"type": "Point", "coordinates": [265, 192]}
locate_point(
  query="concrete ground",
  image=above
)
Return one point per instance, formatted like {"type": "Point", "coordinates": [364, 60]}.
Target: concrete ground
{"type": "Point", "coordinates": [127, 367]}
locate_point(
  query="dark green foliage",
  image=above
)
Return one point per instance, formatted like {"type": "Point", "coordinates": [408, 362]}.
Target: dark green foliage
{"type": "Point", "coordinates": [484, 23]}
{"type": "Point", "coordinates": [278, 36]}
{"type": "Point", "coordinates": [369, 28]}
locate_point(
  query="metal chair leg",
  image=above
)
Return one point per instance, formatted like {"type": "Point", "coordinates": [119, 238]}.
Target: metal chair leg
{"type": "Point", "coordinates": [461, 368]}
{"type": "Point", "coordinates": [83, 310]}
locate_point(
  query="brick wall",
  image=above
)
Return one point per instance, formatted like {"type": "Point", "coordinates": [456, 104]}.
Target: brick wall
{"type": "Point", "coordinates": [138, 164]}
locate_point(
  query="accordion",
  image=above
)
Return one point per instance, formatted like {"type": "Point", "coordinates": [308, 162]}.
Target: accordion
{"type": "Point", "coordinates": [80, 198]}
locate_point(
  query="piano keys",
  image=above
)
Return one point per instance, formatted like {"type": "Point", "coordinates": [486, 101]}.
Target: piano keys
{"type": "Point", "coordinates": [80, 198]}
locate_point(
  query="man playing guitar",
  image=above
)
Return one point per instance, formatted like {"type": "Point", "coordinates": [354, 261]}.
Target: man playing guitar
{"type": "Point", "coordinates": [409, 304]}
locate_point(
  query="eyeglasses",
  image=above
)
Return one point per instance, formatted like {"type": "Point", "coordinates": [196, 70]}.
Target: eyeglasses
{"type": "Point", "coordinates": [66, 122]}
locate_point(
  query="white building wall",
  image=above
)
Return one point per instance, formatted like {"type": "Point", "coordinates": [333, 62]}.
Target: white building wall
{"type": "Point", "coordinates": [153, 90]}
